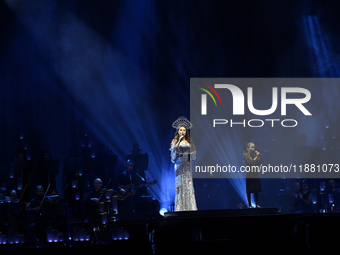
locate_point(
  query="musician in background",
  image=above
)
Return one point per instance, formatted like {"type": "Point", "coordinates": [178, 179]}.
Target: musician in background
{"type": "Point", "coordinates": [55, 210]}
{"type": "Point", "coordinates": [17, 212]}
{"type": "Point", "coordinates": [90, 207]}
{"type": "Point", "coordinates": [334, 189]}
{"type": "Point", "coordinates": [38, 227]}
{"type": "Point", "coordinates": [303, 202]}
{"type": "Point", "coordinates": [129, 178]}
{"type": "Point", "coordinates": [12, 195]}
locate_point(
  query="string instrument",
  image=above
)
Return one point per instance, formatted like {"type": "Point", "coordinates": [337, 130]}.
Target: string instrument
{"type": "Point", "coordinates": [11, 211]}
{"type": "Point", "coordinates": [42, 201]}
{"type": "Point", "coordinates": [95, 226]}
{"type": "Point", "coordinates": [103, 190]}
{"type": "Point", "coordinates": [45, 194]}
{"type": "Point", "coordinates": [23, 192]}
{"type": "Point", "coordinates": [131, 189]}
{"type": "Point", "coordinates": [52, 196]}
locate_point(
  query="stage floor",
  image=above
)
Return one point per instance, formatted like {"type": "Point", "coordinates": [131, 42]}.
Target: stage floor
{"type": "Point", "coordinates": [223, 213]}
{"type": "Point", "coordinates": [262, 230]}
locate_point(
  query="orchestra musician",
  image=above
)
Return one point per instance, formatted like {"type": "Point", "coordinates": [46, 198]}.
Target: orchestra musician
{"type": "Point", "coordinates": [303, 203]}
{"type": "Point", "coordinates": [55, 210]}
{"type": "Point", "coordinates": [39, 224]}
{"type": "Point", "coordinates": [129, 178]}
{"type": "Point", "coordinates": [12, 195]}
{"type": "Point", "coordinates": [90, 207]}
{"type": "Point", "coordinates": [17, 211]}
{"type": "Point", "coordinates": [48, 211]}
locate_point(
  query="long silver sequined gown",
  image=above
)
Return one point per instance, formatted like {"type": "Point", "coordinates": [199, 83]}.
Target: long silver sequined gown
{"type": "Point", "coordinates": [185, 193]}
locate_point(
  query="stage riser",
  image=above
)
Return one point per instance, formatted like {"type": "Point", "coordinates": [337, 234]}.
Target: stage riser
{"type": "Point", "coordinates": [280, 234]}
{"type": "Point", "coordinates": [265, 233]}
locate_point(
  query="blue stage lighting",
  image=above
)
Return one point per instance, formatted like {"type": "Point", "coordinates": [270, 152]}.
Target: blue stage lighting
{"type": "Point", "coordinates": [162, 211]}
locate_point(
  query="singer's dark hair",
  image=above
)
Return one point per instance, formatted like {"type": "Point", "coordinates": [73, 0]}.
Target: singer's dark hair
{"type": "Point", "coordinates": [245, 148]}
{"type": "Point", "coordinates": [176, 136]}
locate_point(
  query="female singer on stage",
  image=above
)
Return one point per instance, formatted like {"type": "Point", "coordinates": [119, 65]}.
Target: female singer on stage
{"type": "Point", "coordinates": [253, 185]}
{"type": "Point", "coordinates": [182, 152]}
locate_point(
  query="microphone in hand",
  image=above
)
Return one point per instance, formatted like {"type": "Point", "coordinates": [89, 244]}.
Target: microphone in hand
{"type": "Point", "coordinates": [181, 138]}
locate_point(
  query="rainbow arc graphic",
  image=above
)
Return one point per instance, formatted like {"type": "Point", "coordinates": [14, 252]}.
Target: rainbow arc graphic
{"type": "Point", "coordinates": [209, 93]}
{"type": "Point", "coordinates": [204, 97]}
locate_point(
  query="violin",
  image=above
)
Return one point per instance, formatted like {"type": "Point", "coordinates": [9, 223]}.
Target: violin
{"type": "Point", "coordinates": [102, 192]}
{"type": "Point", "coordinates": [52, 196]}
{"type": "Point", "coordinates": [47, 198]}
{"type": "Point", "coordinates": [9, 200]}
{"type": "Point", "coordinates": [104, 189]}
{"type": "Point", "coordinates": [13, 200]}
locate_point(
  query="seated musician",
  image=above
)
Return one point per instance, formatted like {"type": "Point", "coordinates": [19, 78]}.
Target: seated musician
{"type": "Point", "coordinates": [90, 207]}
{"type": "Point", "coordinates": [55, 209]}
{"type": "Point", "coordinates": [38, 227]}
{"type": "Point", "coordinates": [127, 179]}
{"type": "Point", "coordinates": [12, 195]}
{"type": "Point", "coordinates": [18, 212]}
